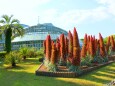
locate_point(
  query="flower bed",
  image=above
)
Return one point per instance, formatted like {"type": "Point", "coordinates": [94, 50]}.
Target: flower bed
{"type": "Point", "coordinates": [66, 58]}
{"type": "Point", "coordinates": [63, 71]}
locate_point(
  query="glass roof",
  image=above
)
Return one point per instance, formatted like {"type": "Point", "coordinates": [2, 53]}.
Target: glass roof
{"type": "Point", "coordinates": [40, 32]}
{"type": "Point", "coordinates": [47, 27]}
{"type": "Point", "coordinates": [34, 36]}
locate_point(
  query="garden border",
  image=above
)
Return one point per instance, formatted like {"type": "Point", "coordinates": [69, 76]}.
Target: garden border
{"type": "Point", "coordinates": [39, 72]}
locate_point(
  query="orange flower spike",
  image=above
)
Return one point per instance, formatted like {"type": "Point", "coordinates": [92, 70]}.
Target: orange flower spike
{"type": "Point", "coordinates": [62, 47]}
{"type": "Point", "coordinates": [85, 40]}
{"type": "Point", "coordinates": [48, 47]}
{"type": "Point", "coordinates": [70, 47]}
{"type": "Point", "coordinates": [53, 54]}
{"type": "Point", "coordinates": [102, 47]}
{"type": "Point", "coordinates": [84, 47]}
{"type": "Point", "coordinates": [108, 44]}
{"type": "Point", "coordinates": [66, 46]}
{"type": "Point", "coordinates": [76, 49]}
{"type": "Point", "coordinates": [112, 43]}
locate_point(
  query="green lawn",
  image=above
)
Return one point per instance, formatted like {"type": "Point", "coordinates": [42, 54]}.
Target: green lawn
{"type": "Point", "coordinates": [24, 75]}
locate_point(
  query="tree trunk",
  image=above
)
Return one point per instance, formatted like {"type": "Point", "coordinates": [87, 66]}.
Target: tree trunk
{"type": "Point", "coordinates": [13, 64]}
{"type": "Point", "coordinates": [8, 35]}
{"type": "Point", "coordinates": [24, 57]}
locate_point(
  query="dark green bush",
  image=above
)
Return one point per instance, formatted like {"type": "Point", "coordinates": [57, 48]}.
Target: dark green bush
{"type": "Point", "coordinates": [41, 59]}
{"type": "Point", "coordinates": [27, 52]}
{"type": "Point", "coordinates": [41, 52]}
{"type": "Point", "coordinates": [2, 54]}
{"type": "Point", "coordinates": [24, 51]}
{"type": "Point", "coordinates": [86, 61]}
{"type": "Point", "coordinates": [12, 58]}
{"type": "Point", "coordinates": [32, 52]}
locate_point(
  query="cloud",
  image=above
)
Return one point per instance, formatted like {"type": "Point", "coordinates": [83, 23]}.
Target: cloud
{"type": "Point", "coordinates": [109, 4]}
{"type": "Point", "coordinates": [24, 10]}
{"type": "Point", "coordinates": [73, 18]}
{"type": "Point", "coordinates": [49, 15]}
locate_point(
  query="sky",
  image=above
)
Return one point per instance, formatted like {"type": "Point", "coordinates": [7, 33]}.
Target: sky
{"type": "Point", "coordinates": [88, 16]}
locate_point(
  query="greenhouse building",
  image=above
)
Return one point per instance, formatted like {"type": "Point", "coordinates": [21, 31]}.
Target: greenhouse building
{"type": "Point", "coordinates": [35, 35]}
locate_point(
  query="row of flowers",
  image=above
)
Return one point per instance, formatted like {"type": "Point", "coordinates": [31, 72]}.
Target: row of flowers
{"type": "Point", "coordinates": [66, 51]}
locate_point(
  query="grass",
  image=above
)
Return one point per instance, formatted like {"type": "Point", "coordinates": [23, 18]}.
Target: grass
{"type": "Point", "coordinates": [24, 75]}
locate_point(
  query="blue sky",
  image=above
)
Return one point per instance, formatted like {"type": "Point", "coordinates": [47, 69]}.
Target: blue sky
{"type": "Point", "coordinates": [88, 16]}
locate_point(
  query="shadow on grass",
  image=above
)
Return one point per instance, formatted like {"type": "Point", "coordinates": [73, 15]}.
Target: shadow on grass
{"type": "Point", "coordinates": [11, 78]}
{"type": "Point", "coordinates": [1, 63]}
{"type": "Point", "coordinates": [31, 61]}
{"type": "Point", "coordinates": [103, 75]}
{"type": "Point", "coordinates": [16, 67]}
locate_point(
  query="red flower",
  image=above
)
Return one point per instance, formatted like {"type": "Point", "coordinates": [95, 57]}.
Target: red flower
{"type": "Point", "coordinates": [102, 47]}
{"type": "Point", "coordinates": [53, 54]}
{"type": "Point", "coordinates": [112, 43]}
{"type": "Point", "coordinates": [84, 47]}
{"type": "Point", "coordinates": [76, 49]}
{"type": "Point", "coordinates": [48, 47]}
{"type": "Point", "coordinates": [70, 47]}
{"type": "Point", "coordinates": [62, 47]}
{"type": "Point", "coordinates": [108, 44]}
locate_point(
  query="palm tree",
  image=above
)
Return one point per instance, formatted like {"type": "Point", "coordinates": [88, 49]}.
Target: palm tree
{"type": "Point", "coordinates": [10, 28]}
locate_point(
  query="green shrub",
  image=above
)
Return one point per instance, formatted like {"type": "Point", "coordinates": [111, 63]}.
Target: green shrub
{"type": "Point", "coordinates": [76, 69]}
{"type": "Point", "coordinates": [24, 51]}
{"type": "Point", "coordinates": [41, 52]}
{"type": "Point", "coordinates": [12, 58]}
{"type": "Point", "coordinates": [32, 52]}
{"type": "Point", "coordinates": [41, 59]}
{"type": "Point", "coordinates": [98, 59]}
{"type": "Point", "coordinates": [2, 54]}
{"type": "Point", "coordinates": [52, 67]}
{"type": "Point", "coordinates": [86, 61]}
{"type": "Point", "coordinates": [27, 52]}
